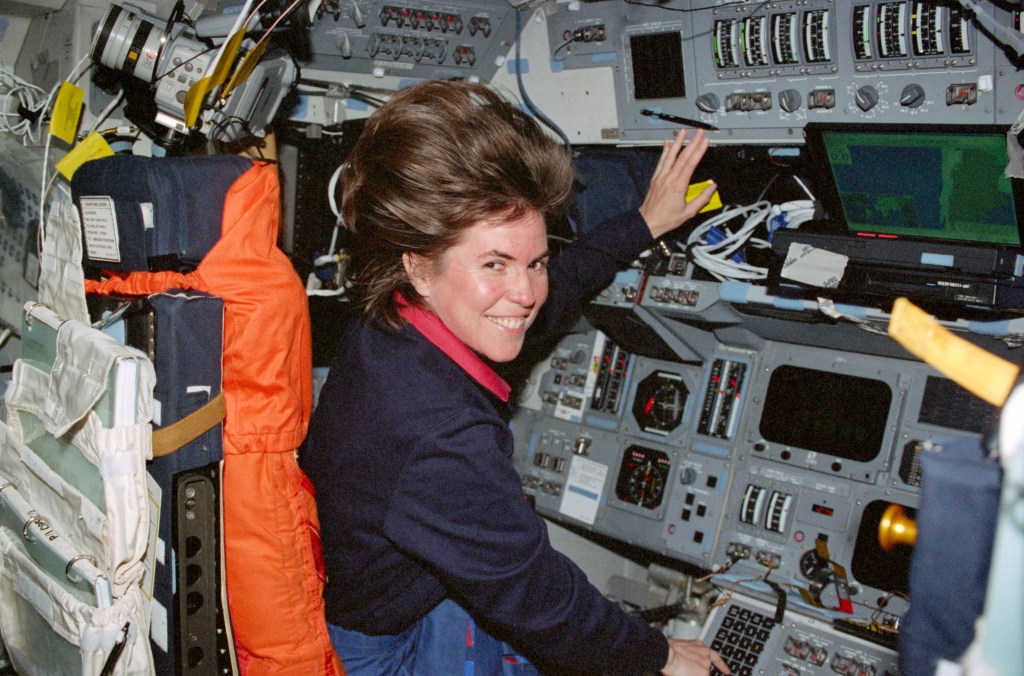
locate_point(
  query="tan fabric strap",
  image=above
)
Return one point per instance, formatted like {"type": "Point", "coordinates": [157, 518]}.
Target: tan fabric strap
{"type": "Point", "coordinates": [167, 440]}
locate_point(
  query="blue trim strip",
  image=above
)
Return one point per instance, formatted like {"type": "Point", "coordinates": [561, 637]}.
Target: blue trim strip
{"type": "Point", "coordinates": [788, 303]}
{"type": "Point", "coordinates": [587, 494]}
{"type": "Point", "coordinates": [734, 292]}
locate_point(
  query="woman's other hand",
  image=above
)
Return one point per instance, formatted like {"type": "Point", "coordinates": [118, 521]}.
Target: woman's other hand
{"type": "Point", "coordinates": [665, 207]}
{"type": "Point", "coordinates": [692, 658]}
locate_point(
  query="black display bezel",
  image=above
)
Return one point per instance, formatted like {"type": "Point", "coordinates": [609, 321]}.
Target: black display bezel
{"type": "Point", "coordinates": [827, 192]}
{"type": "Point", "coordinates": [799, 398]}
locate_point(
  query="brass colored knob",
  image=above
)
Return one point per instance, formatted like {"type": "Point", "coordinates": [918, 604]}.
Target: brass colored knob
{"type": "Point", "coordinates": [896, 528]}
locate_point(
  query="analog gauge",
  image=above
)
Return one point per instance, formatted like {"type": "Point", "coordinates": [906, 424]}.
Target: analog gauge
{"type": "Point", "coordinates": [643, 477]}
{"type": "Point", "coordinates": [659, 402]}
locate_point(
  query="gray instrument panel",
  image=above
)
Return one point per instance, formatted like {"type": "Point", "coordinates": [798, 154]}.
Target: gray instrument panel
{"type": "Point", "coordinates": [413, 39]}
{"type": "Point", "coordinates": [744, 460]}
{"type": "Point", "coordinates": [758, 71]}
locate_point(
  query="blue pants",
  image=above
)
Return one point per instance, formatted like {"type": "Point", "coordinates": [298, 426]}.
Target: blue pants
{"type": "Point", "coordinates": [956, 524]}
{"type": "Point", "coordinates": [445, 642]}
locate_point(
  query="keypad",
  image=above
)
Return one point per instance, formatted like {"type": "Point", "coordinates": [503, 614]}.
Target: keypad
{"type": "Point", "coordinates": [740, 639]}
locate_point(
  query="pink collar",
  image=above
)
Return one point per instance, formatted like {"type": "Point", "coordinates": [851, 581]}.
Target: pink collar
{"type": "Point", "coordinates": [434, 330]}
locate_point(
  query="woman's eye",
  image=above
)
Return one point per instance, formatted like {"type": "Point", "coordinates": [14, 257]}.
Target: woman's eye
{"type": "Point", "coordinates": [539, 265]}
{"type": "Point", "coordinates": [494, 265]}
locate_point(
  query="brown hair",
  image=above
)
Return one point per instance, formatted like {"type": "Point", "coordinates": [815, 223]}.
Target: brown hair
{"type": "Point", "coordinates": [438, 157]}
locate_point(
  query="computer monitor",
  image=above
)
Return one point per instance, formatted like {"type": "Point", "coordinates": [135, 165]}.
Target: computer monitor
{"type": "Point", "coordinates": [933, 182]}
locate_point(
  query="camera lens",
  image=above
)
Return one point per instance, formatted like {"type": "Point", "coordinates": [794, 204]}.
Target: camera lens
{"type": "Point", "coordinates": [128, 41]}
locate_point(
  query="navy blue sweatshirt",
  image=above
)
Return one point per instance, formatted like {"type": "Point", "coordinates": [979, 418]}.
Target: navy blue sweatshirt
{"type": "Point", "coordinates": [419, 500]}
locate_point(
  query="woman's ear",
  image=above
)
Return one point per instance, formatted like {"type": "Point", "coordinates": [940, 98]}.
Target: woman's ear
{"type": "Point", "coordinates": [416, 267]}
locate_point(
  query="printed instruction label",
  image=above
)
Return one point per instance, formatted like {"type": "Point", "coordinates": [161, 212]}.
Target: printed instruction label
{"type": "Point", "coordinates": [583, 490]}
{"type": "Point", "coordinates": [817, 267]}
{"type": "Point", "coordinates": [99, 220]}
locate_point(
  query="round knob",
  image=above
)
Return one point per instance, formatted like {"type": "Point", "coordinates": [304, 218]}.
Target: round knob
{"type": "Point", "coordinates": [866, 98]}
{"type": "Point", "coordinates": [789, 100]}
{"type": "Point", "coordinates": [687, 476]}
{"type": "Point", "coordinates": [896, 528]}
{"type": "Point", "coordinates": [581, 446]}
{"type": "Point", "coordinates": [708, 103]}
{"type": "Point", "coordinates": [912, 96]}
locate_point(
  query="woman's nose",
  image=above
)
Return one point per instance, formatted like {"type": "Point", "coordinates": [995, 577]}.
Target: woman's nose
{"type": "Point", "coordinates": [523, 290]}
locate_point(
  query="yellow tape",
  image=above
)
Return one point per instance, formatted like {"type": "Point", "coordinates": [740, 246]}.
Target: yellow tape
{"type": "Point", "coordinates": [92, 147]}
{"type": "Point", "coordinates": [978, 371]}
{"type": "Point", "coordinates": [67, 111]}
{"type": "Point", "coordinates": [245, 69]}
{"type": "Point", "coordinates": [697, 188]}
{"type": "Point", "coordinates": [196, 95]}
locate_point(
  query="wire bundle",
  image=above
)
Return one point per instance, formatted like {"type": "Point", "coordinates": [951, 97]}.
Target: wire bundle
{"type": "Point", "coordinates": [720, 251]}
{"type": "Point", "coordinates": [23, 106]}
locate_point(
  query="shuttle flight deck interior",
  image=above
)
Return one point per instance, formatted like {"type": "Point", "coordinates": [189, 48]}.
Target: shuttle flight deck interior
{"type": "Point", "coordinates": [786, 430]}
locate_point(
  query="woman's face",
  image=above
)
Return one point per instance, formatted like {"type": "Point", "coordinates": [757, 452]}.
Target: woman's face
{"type": "Point", "coordinates": [488, 288]}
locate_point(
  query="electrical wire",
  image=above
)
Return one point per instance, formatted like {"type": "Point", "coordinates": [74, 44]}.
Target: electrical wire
{"type": "Point", "coordinates": [526, 97]}
{"type": "Point", "coordinates": [333, 257]}
{"type": "Point", "coordinates": [277, 21]}
{"type": "Point", "coordinates": [687, 10]}
{"type": "Point", "coordinates": [728, 593]}
{"type": "Point", "coordinates": [105, 113]}
{"type": "Point", "coordinates": [170, 71]}
{"type": "Point", "coordinates": [718, 250]}
{"type": "Point", "coordinates": [568, 52]}
{"type": "Point", "coordinates": [23, 105]}
{"type": "Point", "coordinates": [47, 182]}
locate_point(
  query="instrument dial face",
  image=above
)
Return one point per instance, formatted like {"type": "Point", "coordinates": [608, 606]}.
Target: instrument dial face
{"type": "Point", "coordinates": [660, 402]}
{"type": "Point", "coordinates": [643, 477]}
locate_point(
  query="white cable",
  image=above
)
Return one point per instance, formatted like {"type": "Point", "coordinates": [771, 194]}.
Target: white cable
{"type": "Point", "coordinates": [45, 182]}
{"type": "Point", "coordinates": [73, 76]}
{"type": "Point", "coordinates": [716, 256]}
{"type": "Point", "coordinates": [339, 223]}
{"type": "Point", "coordinates": [111, 107]}
{"type": "Point", "coordinates": [18, 93]}
{"type": "Point", "coordinates": [326, 292]}
{"type": "Point", "coordinates": [810, 195]}
{"type": "Point", "coordinates": [331, 187]}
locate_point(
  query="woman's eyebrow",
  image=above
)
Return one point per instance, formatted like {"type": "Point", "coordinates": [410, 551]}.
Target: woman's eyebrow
{"type": "Point", "coordinates": [496, 253]}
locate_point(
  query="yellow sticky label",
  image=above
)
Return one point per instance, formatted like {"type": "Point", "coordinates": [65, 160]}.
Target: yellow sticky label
{"type": "Point", "coordinates": [92, 147]}
{"type": "Point", "coordinates": [245, 68]}
{"type": "Point", "coordinates": [196, 94]}
{"type": "Point", "coordinates": [978, 371]}
{"type": "Point", "coordinates": [194, 98]}
{"type": "Point", "coordinates": [227, 57]}
{"type": "Point", "coordinates": [696, 189]}
{"type": "Point", "coordinates": [67, 111]}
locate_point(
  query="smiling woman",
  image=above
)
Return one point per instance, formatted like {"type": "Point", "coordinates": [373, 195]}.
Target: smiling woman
{"type": "Point", "coordinates": [439, 158]}
{"type": "Point", "coordinates": [488, 288]}
{"type": "Point", "coordinates": [435, 563]}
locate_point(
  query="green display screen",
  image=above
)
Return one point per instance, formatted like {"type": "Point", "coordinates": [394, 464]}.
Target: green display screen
{"type": "Point", "coordinates": [944, 184]}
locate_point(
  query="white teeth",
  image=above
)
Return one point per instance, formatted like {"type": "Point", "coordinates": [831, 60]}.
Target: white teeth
{"type": "Point", "coordinates": [506, 323]}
